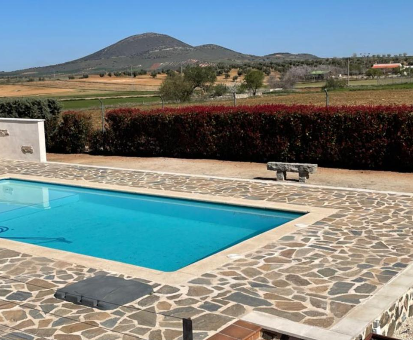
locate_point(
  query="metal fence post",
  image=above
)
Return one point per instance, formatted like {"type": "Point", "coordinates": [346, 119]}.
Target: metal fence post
{"type": "Point", "coordinates": [187, 329]}
{"type": "Point", "coordinates": [326, 91]}
{"type": "Point", "coordinates": [102, 108]}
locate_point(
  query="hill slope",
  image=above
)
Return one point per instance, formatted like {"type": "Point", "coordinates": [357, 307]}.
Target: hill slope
{"type": "Point", "coordinates": [152, 50]}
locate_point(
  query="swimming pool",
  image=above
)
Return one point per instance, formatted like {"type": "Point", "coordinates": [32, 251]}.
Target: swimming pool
{"type": "Point", "coordinates": [164, 234]}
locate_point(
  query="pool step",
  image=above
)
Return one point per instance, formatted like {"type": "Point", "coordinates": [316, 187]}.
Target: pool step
{"type": "Point", "coordinates": [240, 330]}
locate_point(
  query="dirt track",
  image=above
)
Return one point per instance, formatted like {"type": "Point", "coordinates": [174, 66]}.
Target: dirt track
{"type": "Point", "coordinates": [376, 180]}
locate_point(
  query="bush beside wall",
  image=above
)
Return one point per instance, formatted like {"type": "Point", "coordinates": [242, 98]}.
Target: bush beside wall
{"type": "Point", "coordinates": [73, 133]}
{"type": "Point", "coordinates": [47, 109]}
{"type": "Point", "coordinates": [363, 137]}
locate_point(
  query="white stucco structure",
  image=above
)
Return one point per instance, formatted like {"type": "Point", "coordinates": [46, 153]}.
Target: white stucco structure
{"type": "Point", "coordinates": [22, 139]}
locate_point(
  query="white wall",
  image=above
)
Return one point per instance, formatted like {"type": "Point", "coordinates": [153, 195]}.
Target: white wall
{"type": "Point", "coordinates": [22, 139]}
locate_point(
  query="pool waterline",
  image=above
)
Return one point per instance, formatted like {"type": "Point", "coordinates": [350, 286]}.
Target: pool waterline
{"type": "Point", "coordinates": [312, 214]}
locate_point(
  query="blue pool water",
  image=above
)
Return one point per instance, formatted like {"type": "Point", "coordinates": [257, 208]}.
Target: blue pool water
{"type": "Point", "coordinates": [148, 231]}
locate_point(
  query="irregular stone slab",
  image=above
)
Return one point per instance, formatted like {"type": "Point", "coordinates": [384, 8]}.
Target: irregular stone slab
{"type": "Point", "coordinates": [234, 310]}
{"type": "Point", "coordinates": [166, 290]}
{"type": "Point", "coordinates": [340, 288]}
{"type": "Point", "coordinates": [326, 272]}
{"type": "Point", "coordinates": [198, 291]}
{"type": "Point", "coordinates": [184, 312]}
{"type": "Point", "coordinates": [15, 315]}
{"type": "Point", "coordinates": [144, 318]}
{"type": "Point", "coordinates": [210, 322]}
{"type": "Point", "coordinates": [298, 280]}
{"type": "Point", "coordinates": [340, 309]}
{"type": "Point", "coordinates": [247, 300]}
{"type": "Point", "coordinates": [210, 307]}
{"type": "Point", "coordinates": [19, 296]}
{"type": "Point", "coordinates": [365, 288]}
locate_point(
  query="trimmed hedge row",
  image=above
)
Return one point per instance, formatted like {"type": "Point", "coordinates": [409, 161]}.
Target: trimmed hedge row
{"type": "Point", "coordinates": [359, 137]}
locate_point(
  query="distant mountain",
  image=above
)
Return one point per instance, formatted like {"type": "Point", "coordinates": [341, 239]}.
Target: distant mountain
{"type": "Point", "coordinates": [153, 51]}
{"type": "Point", "coordinates": [137, 45]}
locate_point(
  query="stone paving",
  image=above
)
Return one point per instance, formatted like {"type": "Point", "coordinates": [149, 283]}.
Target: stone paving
{"type": "Point", "coordinates": [313, 276]}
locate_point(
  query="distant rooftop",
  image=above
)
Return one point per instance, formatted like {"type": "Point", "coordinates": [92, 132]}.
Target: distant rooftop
{"type": "Point", "coordinates": [381, 66]}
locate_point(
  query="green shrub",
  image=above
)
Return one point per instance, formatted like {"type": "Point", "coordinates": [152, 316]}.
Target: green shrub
{"type": "Point", "coordinates": [47, 109]}
{"type": "Point", "coordinates": [74, 133]}
{"type": "Point", "coordinates": [335, 83]}
{"type": "Point", "coordinates": [219, 90]}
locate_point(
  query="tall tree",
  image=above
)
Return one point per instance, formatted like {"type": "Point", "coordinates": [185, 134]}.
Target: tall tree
{"type": "Point", "coordinates": [175, 87]}
{"type": "Point", "coordinates": [254, 79]}
{"type": "Point", "coordinates": [201, 77]}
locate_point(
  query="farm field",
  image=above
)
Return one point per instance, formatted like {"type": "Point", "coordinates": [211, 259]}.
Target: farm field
{"type": "Point", "coordinates": [78, 94]}
{"type": "Point", "coordinates": [362, 97]}
{"type": "Point", "coordinates": [76, 88]}
{"type": "Point", "coordinates": [94, 85]}
{"type": "Point", "coordinates": [88, 103]}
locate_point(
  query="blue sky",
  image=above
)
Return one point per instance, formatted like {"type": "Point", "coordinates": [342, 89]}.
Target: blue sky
{"type": "Point", "coordinates": [44, 32]}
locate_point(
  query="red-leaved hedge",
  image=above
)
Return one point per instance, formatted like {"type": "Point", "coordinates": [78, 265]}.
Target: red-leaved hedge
{"type": "Point", "coordinates": [368, 137]}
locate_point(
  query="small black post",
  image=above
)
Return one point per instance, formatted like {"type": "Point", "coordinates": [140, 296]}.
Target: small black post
{"type": "Point", "coordinates": [102, 108]}
{"type": "Point", "coordinates": [187, 329]}
{"type": "Point", "coordinates": [326, 91]}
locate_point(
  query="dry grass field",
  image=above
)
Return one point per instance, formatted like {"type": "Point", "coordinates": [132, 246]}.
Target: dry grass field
{"type": "Point", "coordinates": [94, 85]}
{"type": "Point", "coordinates": [20, 90]}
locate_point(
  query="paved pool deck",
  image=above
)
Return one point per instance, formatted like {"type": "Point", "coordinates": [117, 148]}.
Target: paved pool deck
{"type": "Point", "coordinates": [334, 276]}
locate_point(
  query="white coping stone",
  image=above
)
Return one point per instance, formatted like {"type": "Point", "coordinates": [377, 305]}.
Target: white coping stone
{"type": "Point", "coordinates": [360, 316]}
{"type": "Point", "coordinates": [292, 328]}
{"type": "Point", "coordinates": [25, 120]}
{"type": "Point", "coordinates": [235, 256]}
{"type": "Point", "coordinates": [352, 324]}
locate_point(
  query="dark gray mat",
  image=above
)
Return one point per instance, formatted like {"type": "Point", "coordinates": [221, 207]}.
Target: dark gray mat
{"type": "Point", "coordinates": [103, 292]}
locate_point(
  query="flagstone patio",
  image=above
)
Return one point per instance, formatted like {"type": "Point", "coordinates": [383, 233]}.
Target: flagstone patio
{"type": "Point", "coordinates": [313, 276]}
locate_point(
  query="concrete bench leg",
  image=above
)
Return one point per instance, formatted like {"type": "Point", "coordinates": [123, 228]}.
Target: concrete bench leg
{"type": "Point", "coordinates": [302, 176]}
{"type": "Point", "coordinates": [280, 175]}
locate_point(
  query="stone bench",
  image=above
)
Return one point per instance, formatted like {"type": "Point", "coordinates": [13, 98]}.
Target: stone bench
{"type": "Point", "coordinates": [304, 170]}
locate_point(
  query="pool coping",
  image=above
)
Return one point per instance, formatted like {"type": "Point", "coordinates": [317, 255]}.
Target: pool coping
{"type": "Point", "coordinates": [192, 271]}
{"type": "Point", "coordinates": [351, 326]}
